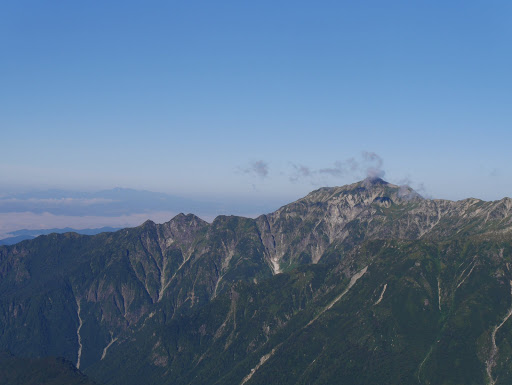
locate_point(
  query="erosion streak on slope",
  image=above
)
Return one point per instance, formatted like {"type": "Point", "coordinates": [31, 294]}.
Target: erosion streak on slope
{"type": "Point", "coordinates": [229, 252]}
{"type": "Point", "coordinates": [112, 340]}
{"type": "Point", "coordinates": [80, 323]}
{"type": "Point", "coordinates": [352, 282]}
{"type": "Point", "coordinates": [491, 362]}
{"type": "Point", "coordinates": [467, 267]}
{"type": "Point", "coordinates": [162, 278]}
{"type": "Point", "coordinates": [162, 290]}
{"type": "Point", "coordinates": [423, 362]}
{"type": "Point", "coordinates": [217, 285]}
{"type": "Point", "coordinates": [275, 265]}
{"type": "Point", "coordinates": [231, 313]}
{"type": "Point", "coordinates": [470, 271]}
{"type": "Point", "coordinates": [432, 225]}
{"type": "Point", "coordinates": [439, 293]}
{"type": "Point", "coordinates": [381, 294]}
{"type": "Point", "coordinates": [263, 359]}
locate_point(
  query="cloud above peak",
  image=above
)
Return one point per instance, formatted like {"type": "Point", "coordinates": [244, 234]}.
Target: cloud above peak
{"type": "Point", "coordinates": [368, 164]}
{"type": "Point", "coordinates": [373, 164]}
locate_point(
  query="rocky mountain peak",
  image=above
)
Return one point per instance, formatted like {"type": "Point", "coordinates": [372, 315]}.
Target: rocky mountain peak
{"type": "Point", "coordinates": [373, 181]}
{"type": "Point", "coordinates": [364, 192]}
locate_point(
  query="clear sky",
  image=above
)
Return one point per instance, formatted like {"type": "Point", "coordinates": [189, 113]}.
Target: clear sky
{"type": "Point", "coordinates": [256, 99]}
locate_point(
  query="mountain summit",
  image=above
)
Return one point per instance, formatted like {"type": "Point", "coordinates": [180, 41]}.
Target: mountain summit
{"type": "Point", "coordinates": [364, 283]}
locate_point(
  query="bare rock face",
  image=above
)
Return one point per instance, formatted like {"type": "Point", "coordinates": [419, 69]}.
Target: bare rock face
{"type": "Point", "coordinates": [372, 209]}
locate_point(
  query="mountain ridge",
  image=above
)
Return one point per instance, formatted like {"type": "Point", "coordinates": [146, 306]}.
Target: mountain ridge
{"type": "Point", "coordinates": [261, 290]}
{"type": "Point", "coordinates": [24, 234]}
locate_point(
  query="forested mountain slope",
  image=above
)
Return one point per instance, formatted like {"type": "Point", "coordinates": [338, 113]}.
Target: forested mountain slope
{"type": "Point", "coordinates": [362, 284]}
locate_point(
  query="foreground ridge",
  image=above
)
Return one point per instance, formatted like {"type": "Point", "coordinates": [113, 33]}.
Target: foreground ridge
{"type": "Point", "coordinates": [243, 300]}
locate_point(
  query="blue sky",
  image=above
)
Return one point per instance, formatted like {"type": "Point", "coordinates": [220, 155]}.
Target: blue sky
{"type": "Point", "coordinates": [256, 100]}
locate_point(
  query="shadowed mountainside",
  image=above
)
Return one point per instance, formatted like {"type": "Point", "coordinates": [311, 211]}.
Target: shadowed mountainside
{"type": "Point", "coordinates": [39, 371]}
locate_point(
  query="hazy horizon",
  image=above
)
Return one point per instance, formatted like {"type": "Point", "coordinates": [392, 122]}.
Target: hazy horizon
{"type": "Point", "coordinates": [121, 207]}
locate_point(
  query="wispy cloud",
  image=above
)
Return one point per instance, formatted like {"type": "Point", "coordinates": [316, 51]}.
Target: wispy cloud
{"type": "Point", "coordinates": [300, 171]}
{"type": "Point", "coordinates": [342, 168]}
{"type": "Point", "coordinates": [259, 168]}
{"type": "Point", "coordinates": [373, 164]}
{"type": "Point", "coordinates": [368, 164]}
{"type": "Point", "coordinates": [338, 170]}
{"type": "Point", "coordinates": [419, 187]}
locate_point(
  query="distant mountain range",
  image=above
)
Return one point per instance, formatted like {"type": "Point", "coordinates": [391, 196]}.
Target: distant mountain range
{"type": "Point", "coordinates": [368, 283]}
{"type": "Point", "coordinates": [115, 208]}
{"type": "Point", "coordinates": [24, 234]}
{"type": "Point", "coordinates": [119, 201]}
